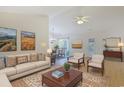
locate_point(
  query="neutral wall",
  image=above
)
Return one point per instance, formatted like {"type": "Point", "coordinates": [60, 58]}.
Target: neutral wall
{"type": "Point", "coordinates": [31, 23]}
{"type": "Point", "coordinates": [103, 22]}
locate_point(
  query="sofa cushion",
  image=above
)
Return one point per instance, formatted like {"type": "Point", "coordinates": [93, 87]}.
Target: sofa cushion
{"type": "Point", "coordinates": [98, 58]}
{"type": "Point", "coordinates": [2, 63]}
{"type": "Point", "coordinates": [41, 57]}
{"type": "Point", "coordinates": [78, 55]}
{"type": "Point", "coordinates": [9, 71]}
{"type": "Point", "coordinates": [4, 82]}
{"type": "Point", "coordinates": [24, 67]}
{"type": "Point", "coordinates": [33, 57]}
{"type": "Point", "coordinates": [22, 59]}
{"type": "Point", "coordinates": [41, 63]}
{"type": "Point", "coordinates": [75, 60]}
{"type": "Point", "coordinates": [48, 59]}
{"type": "Point", "coordinates": [10, 61]}
{"type": "Point", "coordinates": [95, 64]}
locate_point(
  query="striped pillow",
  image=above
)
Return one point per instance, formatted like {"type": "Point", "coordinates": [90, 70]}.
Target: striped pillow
{"type": "Point", "coordinates": [22, 59]}
{"type": "Point", "coordinates": [2, 64]}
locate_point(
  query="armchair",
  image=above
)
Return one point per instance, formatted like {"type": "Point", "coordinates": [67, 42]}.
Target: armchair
{"type": "Point", "coordinates": [96, 61]}
{"type": "Point", "coordinates": [77, 58]}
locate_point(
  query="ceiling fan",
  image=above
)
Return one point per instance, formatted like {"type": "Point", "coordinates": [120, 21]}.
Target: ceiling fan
{"type": "Point", "coordinates": [81, 19]}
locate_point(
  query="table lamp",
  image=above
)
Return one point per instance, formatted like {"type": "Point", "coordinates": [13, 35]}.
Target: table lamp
{"type": "Point", "coordinates": [49, 51]}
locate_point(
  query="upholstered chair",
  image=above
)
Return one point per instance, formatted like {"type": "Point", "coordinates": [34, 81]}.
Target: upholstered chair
{"type": "Point", "coordinates": [96, 61]}
{"type": "Point", "coordinates": [77, 58]}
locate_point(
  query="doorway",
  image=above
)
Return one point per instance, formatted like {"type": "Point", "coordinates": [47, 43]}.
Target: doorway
{"type": "Point", "coordinates": [61, 47]}
{"type": "Point", "coordinates": [64, 47]}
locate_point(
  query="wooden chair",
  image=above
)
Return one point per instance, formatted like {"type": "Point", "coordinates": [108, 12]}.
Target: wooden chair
{"type": "Point", "coordinates": [77, 58]}
{"type": "Point", "coordinates": [96, 61]}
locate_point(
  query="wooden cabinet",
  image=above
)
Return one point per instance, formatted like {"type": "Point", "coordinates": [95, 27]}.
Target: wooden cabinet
{"type": "Point", "coordinates": [112, 48]}
{"type": "Point", "coordinates": [115, 54]}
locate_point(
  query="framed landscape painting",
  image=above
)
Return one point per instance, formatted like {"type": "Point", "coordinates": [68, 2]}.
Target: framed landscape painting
{"type": "Point", "coordinates": [27, 40]}
{"type": "Point", "coordinates": [8, 38]}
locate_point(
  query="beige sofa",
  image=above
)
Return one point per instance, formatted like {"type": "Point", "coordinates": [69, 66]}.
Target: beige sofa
{"type": "Point", "coordinates": [10, 73]}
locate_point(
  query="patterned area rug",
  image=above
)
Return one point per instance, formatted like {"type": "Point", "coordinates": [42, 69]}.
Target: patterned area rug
{"type": "Point", "coordinates": [91, 79]}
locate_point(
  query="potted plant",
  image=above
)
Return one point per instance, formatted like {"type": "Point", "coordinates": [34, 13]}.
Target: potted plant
{"type": "Point", "coordinates": [56, 46]}
{"type": "Point", "coordinates": [66, 67]}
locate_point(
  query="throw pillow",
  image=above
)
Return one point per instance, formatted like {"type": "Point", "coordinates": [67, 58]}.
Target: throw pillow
{"type": "Point", "coordinates": [10, 61]}
{"type": "Point", "coordinates": [33, 58]}
{"type": "Point", "coordinates": [2, 64]}
{"type": "Point", "coordinates": [41, 57]}
{"type": "Point", "coordinates": [22, 59]}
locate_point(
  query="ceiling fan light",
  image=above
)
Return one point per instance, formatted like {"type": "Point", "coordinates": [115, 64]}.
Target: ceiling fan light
{"type": "Point", "coordinates": [80, 22]}
{"type": "Point", "coordinates": [81, 19]}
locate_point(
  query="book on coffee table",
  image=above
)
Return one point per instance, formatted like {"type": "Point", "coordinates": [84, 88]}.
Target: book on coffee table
{"type": "Point", "coordinates": [57, 74]}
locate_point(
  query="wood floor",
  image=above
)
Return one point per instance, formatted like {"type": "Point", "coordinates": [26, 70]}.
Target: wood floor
{"type": "Point", "coordinates": [114, 70]}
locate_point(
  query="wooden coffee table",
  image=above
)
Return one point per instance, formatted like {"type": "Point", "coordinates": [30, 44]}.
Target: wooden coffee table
{"type": "Point", "coordinates": [70, 79]}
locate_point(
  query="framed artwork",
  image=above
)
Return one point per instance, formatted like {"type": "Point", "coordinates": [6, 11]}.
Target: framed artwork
{"type": "Point", "coordinates": [8, 39]}
{"type": "Point", "coordinates": [77, 44]}
{"type": "Point", "coordinates": [27, 40]}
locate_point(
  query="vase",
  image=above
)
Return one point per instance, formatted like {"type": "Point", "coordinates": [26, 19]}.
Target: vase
{"type": "Point", "coordinates": [67, 70]}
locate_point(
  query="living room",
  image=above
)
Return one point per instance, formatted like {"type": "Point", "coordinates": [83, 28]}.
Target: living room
{"type": "Point", "coordinates": [27, 61]}
{"type": "Point", "coordinates": [104, 23]}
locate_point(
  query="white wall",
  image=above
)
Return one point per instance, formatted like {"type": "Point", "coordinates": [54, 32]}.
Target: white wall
{"type": "Point", "coordinates": [103, 22]}
{"type": "Point", "coordinates": [31, 23]}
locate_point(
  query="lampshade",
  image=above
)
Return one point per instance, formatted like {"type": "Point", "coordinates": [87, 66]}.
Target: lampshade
{"type": "Point", "coordinates": [120, 44]}
{"type": "Point", "coordinates": [49, 51]}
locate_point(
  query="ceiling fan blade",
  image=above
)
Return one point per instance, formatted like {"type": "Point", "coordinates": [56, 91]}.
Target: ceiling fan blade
{"type": "Point", "coordinates": [86, 16]}
{"type": "Point", "coordinates": [85, 19]}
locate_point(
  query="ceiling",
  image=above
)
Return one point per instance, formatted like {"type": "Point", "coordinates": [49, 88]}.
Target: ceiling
{"type": "Point", "coordinates": [35, 10]}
